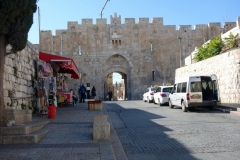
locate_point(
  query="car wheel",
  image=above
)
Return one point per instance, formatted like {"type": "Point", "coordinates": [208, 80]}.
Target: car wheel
{"type": "Point", "coordinates": [153, 101]}
{"type": "Point", "coordinates": [160, 104]}
{"type": "Point", "coordinates": [184, 108]}
{"type": "Point", "coordinates": [149, 101]}
{"type": "Point", "coordinates": [170, 104]}
{"type": "Point", "coordinates": [144, 100]}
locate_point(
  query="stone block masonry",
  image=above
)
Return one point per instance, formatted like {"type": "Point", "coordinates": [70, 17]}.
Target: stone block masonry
{"type": "Point", "coordinates": [129, 48]}
{"type": "Point", "coordinates": [17, 83]}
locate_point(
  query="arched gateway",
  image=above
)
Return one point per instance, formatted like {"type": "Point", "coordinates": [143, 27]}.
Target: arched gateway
{"type": "Point", "coordinates": [119, 64]}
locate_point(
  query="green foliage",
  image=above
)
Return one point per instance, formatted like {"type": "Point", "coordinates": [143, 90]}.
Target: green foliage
{"type": "Point", "coordinates": [155, 86]}
{"type": "Point", "coordinates": [16, 18]}
{"type": "Point", "coordinates": [231, 41]}
{"type": "Point", "coordinates": [23, 106]}
{"type": "Point", "coordinates": [211, 49]}
{"type": "Point", "coordinates": [168, 84]}
{"type": "Point", "coordinates": [15, 70]}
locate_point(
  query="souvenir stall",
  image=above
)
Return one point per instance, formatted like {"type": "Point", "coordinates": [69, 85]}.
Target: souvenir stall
{"type": "Point", "coordinates": [61, 66]}
{"type": "Point", "coordinates": [45, 87]}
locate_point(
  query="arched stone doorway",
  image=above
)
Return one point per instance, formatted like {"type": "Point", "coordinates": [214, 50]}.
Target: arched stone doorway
{"type": "Point", "coordinates": [119, 64]}
{"type": "Point", "coordinates": [118, 88]}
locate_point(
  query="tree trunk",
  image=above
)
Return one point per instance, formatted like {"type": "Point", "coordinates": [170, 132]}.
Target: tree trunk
{"type": "Point", "coordinates": [2, 63]}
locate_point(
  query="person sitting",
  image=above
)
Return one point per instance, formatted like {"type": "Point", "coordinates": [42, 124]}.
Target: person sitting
{"type": "Point", "coordinates": [74, 97]}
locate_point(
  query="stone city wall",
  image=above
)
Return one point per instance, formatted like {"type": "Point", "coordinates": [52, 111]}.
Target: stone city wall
{"type": "Point", "coordinates": [18, 76]}
{"type": "Point", "coordinates": [143, 47]}
{"type": "Point", "coordinates": [226, 67]}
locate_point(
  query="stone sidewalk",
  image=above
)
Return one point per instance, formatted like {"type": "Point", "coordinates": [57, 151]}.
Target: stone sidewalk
{"type": "Point", "coordinates": [70, 137]}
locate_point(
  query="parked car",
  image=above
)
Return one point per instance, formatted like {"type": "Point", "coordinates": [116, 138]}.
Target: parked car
{"type": "Point", "coordinates": [193, 92]}
{"type": "Point", "coordinates": [161, 95]}
{"type": "Point", "coordinates": [148, 95]}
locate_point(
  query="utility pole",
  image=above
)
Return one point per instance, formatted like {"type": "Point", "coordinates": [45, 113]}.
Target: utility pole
{"type": "Point", "coordinates": [103, 8]}
{"type": "Point", "coordinates": [180, 45]}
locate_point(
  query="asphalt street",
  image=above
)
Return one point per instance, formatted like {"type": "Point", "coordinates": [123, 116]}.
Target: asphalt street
{"type": "Point", "coordinates": [150, 132]}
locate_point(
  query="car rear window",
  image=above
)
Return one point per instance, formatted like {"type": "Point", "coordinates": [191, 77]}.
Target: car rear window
{"type": "Point", "coordinates": [167, 89]}
{"type": "Point", "coordinates": [153, 89]}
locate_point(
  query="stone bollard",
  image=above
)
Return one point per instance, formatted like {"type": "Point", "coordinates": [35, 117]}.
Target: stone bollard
{"type": "Point", "coordinates": [98, 105]}
{"type": "Point", "coordinates": [101, 128]}
{"type": "Point", "coordinates": [91, 105]}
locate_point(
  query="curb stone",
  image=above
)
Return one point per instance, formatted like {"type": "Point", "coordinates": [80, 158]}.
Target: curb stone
{"type": "Point", "coordinates": [116, 144]}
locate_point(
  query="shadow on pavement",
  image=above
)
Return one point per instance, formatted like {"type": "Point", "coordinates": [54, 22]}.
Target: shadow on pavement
{"type": "Point", "coordinates": [142, 138]}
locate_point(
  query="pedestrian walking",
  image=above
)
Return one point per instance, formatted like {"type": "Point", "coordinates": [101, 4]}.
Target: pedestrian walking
{"type": "Point", "coordinates": [82, 91]}
{"type": "Point", "coordinates": [93, 92]}
{"type": "Point", "coordinates": [110, 95]}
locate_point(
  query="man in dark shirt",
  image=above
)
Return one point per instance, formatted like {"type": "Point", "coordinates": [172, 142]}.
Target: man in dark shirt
{"type": "Point", "coordinates": [82, 90]}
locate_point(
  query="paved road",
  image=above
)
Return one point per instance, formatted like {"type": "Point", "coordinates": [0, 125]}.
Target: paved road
{"type": "Point", "coordinates": [150, 132]}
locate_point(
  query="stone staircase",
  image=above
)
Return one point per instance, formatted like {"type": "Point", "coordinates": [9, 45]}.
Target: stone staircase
{"type": "Point", "coordinates": [28, 133]}
{"type": "Point", "coordinates": [236, 112]}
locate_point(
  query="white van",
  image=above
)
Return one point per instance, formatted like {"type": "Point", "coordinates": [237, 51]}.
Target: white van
{"type": "Point", "coordinates": [193, 92]}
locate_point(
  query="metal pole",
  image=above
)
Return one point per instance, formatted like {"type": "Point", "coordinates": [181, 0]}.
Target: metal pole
{"type": "Point", "coordinates": [61, 43]}
{"type": "Point", "coordinates": [40, 47]}
{"type": "Point", "coordinates": [103, 8]}
{"type": "Point", "coordinates": [180, 45]}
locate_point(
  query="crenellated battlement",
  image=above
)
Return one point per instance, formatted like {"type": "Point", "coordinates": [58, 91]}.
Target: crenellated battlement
{"type": "Point", "coordinates": [214, 24]}
{"type": "Point", "coordinates": [87, 22]}
{"type": "Point", "coordinates": [129, 21]}
{"type": "Point", "coordinates": [72, 25]}
{"type": "Point", "coordinates": [60, 31]}
{"type": "Point", "coordinates": [157, 21]}
{"type": "Point", "coordinates": [200, 27]}
{"type": "Point", "coordinates": [102, 21]}
{"type": "Point", "coordinates": [143, 21]}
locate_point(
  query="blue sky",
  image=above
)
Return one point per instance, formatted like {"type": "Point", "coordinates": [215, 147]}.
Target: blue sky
{"type": "Point", "coordinates": [54, 14]}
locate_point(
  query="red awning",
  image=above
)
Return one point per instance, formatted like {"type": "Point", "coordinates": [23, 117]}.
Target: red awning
{"type": "Point", "coordinates": [66, 65]}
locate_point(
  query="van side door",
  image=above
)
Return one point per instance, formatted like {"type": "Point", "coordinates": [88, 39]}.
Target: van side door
{"type": "Point", "coordinates": [178, 94]}
{"type": "Point", "coordinates": [173, 95]}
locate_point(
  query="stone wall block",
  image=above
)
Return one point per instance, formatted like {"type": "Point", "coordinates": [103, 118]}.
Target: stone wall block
{"type": "Point", "coordinates": [7, 85]}
{"type": "Point", "coordinates": [13, 78]}
{"type": "Point", "coordinates": [18, 94]}
{"type": "Point", "coordinates": [24, 82]}
{"type": "Point", "coordinates": [5, 93]}
{"type": "Point", "coordinates": [8, 69]}
{"type": "Point", "coordinates": [10, 62]}
{"type": "Point", "coordinates": [6, 76]}
{"type": "Point", "coordinates": [20, 67]}
{"type": "Point", "coordinates": [4, 84]}
{"type": "Point", "coordinates": [30, 90]}
{"type": "Point", "coordinates": [7, 100]}
{"type": "Point", "coordinates": [23, 88]}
